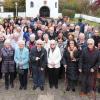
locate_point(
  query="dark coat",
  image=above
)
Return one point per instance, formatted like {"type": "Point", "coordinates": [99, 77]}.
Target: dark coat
{"type": "Point", "coordinates": [89, 60]}
{"type": "Point", "coordinates": [8, 64]}
{"type": "Point", "coordinates": [42, 55]}
{"type": "Point", "coordinates": [72, 66]}
{"type": "Point", "coordinates": [96, 39]}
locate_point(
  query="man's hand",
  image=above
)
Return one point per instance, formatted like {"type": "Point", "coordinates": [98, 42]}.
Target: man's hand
{"type": "Point", "coordinates": [42, 69]}
{"type": "Point", "coordinates": [80, 70]}
{"type": "Point", "coordinates": [37, 58]}
{"type": "Point", "coordinates": [65, 66]}
{"type": "Point", "coordinates": [92, 70]}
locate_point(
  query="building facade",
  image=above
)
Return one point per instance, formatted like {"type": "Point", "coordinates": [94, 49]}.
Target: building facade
{"type": "Point", "coordinates": [1, 6]}
{"type": "Point", "coordinates": [44, 8]}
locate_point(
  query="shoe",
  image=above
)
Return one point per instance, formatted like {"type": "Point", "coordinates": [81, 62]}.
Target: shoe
{"type": "Point", "coordinates": [73, 89]}
{"type": "Point", "coordinates": [56, 86]}
{"type": "Point", "coordinates": [34, 87]}
{"type": "Point", "coordinates": [6, 87]}
{"type": "Point", "coordinates": [51, 86]}
{"type": "Point", "coordinates": [20, 88]}
{"type": "Point", "coordinates": [41, 88]}
{"type": "Point", "coordinates": [25, 87]}
{"type": "Point", "coordinates": [67, 89]}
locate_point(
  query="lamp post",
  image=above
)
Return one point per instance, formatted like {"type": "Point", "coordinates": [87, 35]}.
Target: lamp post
{"type": "Point", "coordinates": [16, 5]}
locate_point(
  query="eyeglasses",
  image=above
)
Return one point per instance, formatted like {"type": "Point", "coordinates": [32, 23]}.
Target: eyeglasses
{"type": "Point", "coordinates": [52, 44]}
{"type": "Point", "coordinates": [90, 43]}
{"type": "Point", "coordinates": [39, 44]}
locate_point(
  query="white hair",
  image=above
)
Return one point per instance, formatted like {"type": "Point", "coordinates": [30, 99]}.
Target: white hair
{"type": "Point", "coordinates": [45, 35]}
{"type": "Point", "coordinates": [7, 41]}
{"type": "Point", "coordinates": [39, 42]}
{"type": "Point", "coordinates": [53, 42]}
{"type": "Point", "coordinates": [82, 35]}
{"type": "Point", "coordinates": [90, 41]}
{"type": "Point", "coordinates": [32, 36]}
{"type": "Point", "coordinates": [39, 31]}
{"type": "Point", "coordinates": [21, 42]}
{"type": "Point", "coordinates": [72, 24]}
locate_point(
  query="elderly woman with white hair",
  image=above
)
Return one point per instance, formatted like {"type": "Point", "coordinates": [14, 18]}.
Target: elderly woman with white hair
{"type": "Point", "coordinates": [54, 58]}
{"type": "Point", "coordinates": [31, 43]}
{"type": "Point", "coordinates": [38, 57]}
{"type": "Point", "coordinates": [46, 42]}
{"type": "Point", "coordinates": [7, 55]}
{"type": "Point", "coordinates": [21, 58]}
{"type": "Point", "coordinates": [88, 65]}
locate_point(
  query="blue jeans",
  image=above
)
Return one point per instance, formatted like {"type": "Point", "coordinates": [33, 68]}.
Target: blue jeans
{"type": "Point", "coordinates": [38, 76]}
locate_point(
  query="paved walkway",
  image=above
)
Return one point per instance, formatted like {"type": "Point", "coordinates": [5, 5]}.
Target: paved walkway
{"type": "Point", "coordinates": [47, 94]}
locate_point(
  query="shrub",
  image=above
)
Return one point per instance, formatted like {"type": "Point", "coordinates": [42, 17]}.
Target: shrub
{"type": "Point", "coordinates": [68, 12]}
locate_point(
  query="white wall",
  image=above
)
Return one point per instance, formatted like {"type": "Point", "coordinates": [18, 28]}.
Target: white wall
{"type": "Point", "coordinates": [33, 12]}
{"type": "Point", "coordinates": [22, 14]}
{"type": "Point", "coordinates": [6, 14]}
{"type": "Point", "coordinates": [90, 18]}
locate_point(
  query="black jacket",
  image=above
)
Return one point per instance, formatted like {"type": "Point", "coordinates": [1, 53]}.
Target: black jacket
{"type": "Point", "coordinates": [42, 62]}
{"type": "Point", "coordinates": [72, 66]}
{"type": "Point", "coordinates": [89, 60]}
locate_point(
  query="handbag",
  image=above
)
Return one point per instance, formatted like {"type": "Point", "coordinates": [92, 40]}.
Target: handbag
{"type": "Point", "coordinates": [20, 69]}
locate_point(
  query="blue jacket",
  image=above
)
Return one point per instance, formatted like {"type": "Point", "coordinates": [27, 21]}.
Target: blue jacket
{"type": "Point", "coordinates": [22, 57]}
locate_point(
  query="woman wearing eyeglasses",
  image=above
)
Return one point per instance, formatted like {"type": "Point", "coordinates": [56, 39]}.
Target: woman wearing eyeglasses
{"type": "Point", "coordinates": [88, 65]}
{"type": "Point", "coordinates": [54, 58]}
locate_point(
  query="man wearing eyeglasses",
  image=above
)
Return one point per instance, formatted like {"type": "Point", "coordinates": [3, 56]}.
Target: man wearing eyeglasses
{"type": "Point", "coordinates": [38, 57]}
{"type": "Point", "coordinates": [88, 65]}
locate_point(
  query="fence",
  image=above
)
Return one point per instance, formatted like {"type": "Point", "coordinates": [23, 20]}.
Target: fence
{"type": "Point", "coordinates": [90, 18]}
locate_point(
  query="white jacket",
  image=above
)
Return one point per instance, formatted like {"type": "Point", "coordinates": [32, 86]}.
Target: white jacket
{"type": "Point", "coordinates": [55, 57]}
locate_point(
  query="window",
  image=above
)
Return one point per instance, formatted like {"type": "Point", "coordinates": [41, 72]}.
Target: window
{"type": "Point", "coordinates": [31, 4]}
{"type": "Point", "coordinates": [55, 4]}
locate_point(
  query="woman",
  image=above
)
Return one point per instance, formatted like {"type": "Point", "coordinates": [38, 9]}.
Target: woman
{"type": "Point", "coordinates": [31, 42]}
{"type": "Point", "coordinates": [8, 64]}
{"type": "Point", "coordinates": [46, 42]}
{"type": "Point", "coordinates": [54, 58]}
{"type": "Point", "coordinates": [22, 58]}
{"type": "Point", "coordinates": [70, 61]}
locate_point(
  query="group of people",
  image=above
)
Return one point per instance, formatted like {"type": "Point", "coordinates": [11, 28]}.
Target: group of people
{"type": "Point", "coordinates": [53, 48]}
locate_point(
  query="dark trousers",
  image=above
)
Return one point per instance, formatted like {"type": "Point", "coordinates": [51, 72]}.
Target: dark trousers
{"type": "Point", "coordinates": [23, 78]}
{"type": "Point", "coordinates": [9, 78]}
{"type": "Point", "coordinates": [88, 82]}
{"type": "Point", "coordinates": [61, 71]}
{"type": "Point", "coordinates": [0, 71]}
{"type": "Point", "coordinates": [53, 74]}
{"type": "Point", "coordinates": [71, 83]}
{"type": "Point", "coordinates": [15, 73]}
{"type": "Point", "coordinates": [38, 77]}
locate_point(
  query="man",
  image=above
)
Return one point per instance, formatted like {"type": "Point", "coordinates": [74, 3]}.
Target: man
{"type": "Point", "coordinates": [96, 37]}
{"type": "Point", "coordinates": [88, 64]}
{"type": "Point", "coordinates": [38, 57]}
